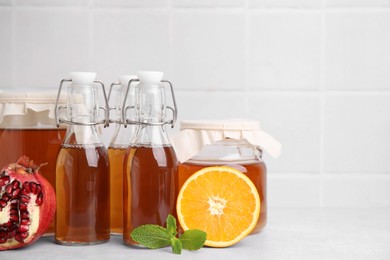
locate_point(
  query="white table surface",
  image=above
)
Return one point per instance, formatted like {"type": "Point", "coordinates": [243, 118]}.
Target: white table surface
{"type": "Point", "coordinates": [330, 233]}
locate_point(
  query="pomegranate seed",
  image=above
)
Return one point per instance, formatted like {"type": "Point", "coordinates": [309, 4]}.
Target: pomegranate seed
{"type": "Point", "coordinates": [13, 211]}
{"type": "Point", "coordinates": [25, 221]}
{"type": "Point", "coordinates": [15, 184]}
{"type": "Point", "coordinates": [24, 192]}
{"type": "Point", "coordinates": [8, 188]}
{"type": "Point", "coordinates": [11, 234]}
{"type": "Point", "coordinates": [26, 186]}
{"type": "Point", "coordinates": [14, 217]}
{"type": "Point", "coordinates": [19, 238]}
{"type": "Point", "coordinates": [39, 189]}
{"type": "Point", "coordinates": [39, 199]}
{"type": "Point", "coordinates": [23, 206]}
{"type": "Point", "coordinates": [4, 180]}
{"type": "Point", "coordinates": [24, 198]}
{"type": "Point", "coordinates": [33, 187]}
{"type": "Point", "coordinates": [3, 203]}
{"type": "Point", "coordinates": [24, 214]}
{"type": "Point", "coordinates": [23, 228]}
{"type": "Point", "coordinates": [16, 193]}
{"type": "Point", "coordinates": [6, 196]}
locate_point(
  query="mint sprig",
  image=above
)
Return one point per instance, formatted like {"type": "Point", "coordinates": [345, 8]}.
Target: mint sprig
{"type": "Point", "coordinates": [155, 236]}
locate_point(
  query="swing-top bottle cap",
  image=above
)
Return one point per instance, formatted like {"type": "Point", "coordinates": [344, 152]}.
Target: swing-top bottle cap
{"type": "Point", "coordinates": [152, 77]}
{"type": "Point", "coordinates": [83, 78]}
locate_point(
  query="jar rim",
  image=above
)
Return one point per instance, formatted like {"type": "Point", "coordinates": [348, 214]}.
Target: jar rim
{"type": "Point", "coordinates": [228, 150]}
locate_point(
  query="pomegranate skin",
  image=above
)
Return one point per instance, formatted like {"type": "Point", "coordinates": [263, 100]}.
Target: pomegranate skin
{"type": "Point", "coordinates": [27, 204]}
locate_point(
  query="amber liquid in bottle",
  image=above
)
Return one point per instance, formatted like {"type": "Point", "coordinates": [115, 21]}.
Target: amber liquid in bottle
{"type": "Point", "coordinates": [83, 212]}
{"type": "Point", "coordinates": [40, 145]}
{"type": "Point", "coordinates": [116, 156]}
{"type": "Point", "coordinates": [255, 171]}
{"type": "Point", "coordinates": [150, 187]}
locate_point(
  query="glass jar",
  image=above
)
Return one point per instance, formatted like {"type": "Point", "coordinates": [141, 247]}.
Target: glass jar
{"type": "Point", "coordinates": [28, 127]}
{"type": "Point", "coordinates": [233, 143]}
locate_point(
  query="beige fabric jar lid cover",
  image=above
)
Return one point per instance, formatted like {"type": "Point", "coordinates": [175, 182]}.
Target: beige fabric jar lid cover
{"type": "Point", "coordinates": [195, 134]}
{"type": "Point", "coordinates": [31, 107]}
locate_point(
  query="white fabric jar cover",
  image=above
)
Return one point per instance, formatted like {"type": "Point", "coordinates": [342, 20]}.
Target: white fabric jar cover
{"type": "Point", "coordinates": [195, 134]}
{"type": "Point", "coordinates": [28, 109]}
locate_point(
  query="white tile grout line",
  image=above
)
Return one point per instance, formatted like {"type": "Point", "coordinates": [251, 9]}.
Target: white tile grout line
{"type": "Point", "coordinates": [319, 10]}
{"type": "Point", "coordinates": [322, 105]}
{"type": "Point", "coordinates": [91, 24]}
{"type": "Point", "coordinates": [170, 50]}
{"type": "Point", "coordinates": [246, 59]}
{"type": "Point", "coordinates": [13, 48]}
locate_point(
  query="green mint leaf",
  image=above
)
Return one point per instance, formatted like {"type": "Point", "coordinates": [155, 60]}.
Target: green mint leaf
{"type": "Point", "coordinates": [176, 245]}
{"type": "Point", "coordinates": [151, 236]}
{"type": "Point", "coordinates": [171, 225]}
{"type": "Point", "coordinates": [155, 236]}
{"type": "Point", "coordinates": [193, 239]}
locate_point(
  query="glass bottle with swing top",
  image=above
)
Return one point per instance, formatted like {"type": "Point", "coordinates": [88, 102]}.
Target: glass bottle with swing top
{"type": "Point", "coordinates": [117, 150]}
{"type": "Point", "coordinates": [150, 185]}
{"type": "Point", "coordinates": [82, 170]}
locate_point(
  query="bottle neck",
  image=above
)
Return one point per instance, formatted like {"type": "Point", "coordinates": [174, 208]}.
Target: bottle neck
{"type": "Point", "coordinates": [122, 136]}
{"type": "Point", "coordinates": [150, 104]}
{"type": "Point", "coordinates": [83, 135]}
{"type": "Point", "coordinates": [150, 135]}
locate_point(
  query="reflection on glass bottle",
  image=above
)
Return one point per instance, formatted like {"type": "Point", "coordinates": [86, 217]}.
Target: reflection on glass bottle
{"type": "Point", "coordinates": [82, 171]}
{"type": "Point", "coordinates": [150, 169]}
{"type": "Point", "coordinates": [117, 150]}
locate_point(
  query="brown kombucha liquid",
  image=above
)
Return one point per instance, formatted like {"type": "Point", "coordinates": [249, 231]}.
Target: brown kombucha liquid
{"type": "Point", "coordinates": [255, 171]}
{"type": "Point", "coordinates": [40, 145]}
{"type": "Point", "coordinates": [83, 205]}
{"type": "Point", "coordinates": [116, 156]}
{"type": "Point", "coordinates": [150, 187]}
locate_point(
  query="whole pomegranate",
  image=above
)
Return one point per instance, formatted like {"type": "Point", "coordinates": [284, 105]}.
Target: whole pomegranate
{"type": "Point", "coordinates": [27, 204]}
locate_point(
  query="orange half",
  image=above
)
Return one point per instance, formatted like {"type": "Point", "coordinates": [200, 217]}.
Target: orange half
{"type": "Point", "coordinates": [221, 201]}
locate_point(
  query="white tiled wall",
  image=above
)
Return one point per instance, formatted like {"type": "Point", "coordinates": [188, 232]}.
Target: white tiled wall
{"type": "Point", "coordinates": [315, 73]}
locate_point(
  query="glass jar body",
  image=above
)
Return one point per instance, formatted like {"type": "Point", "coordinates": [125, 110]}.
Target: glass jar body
{"type": "Point", "coordinates": [238, 154]}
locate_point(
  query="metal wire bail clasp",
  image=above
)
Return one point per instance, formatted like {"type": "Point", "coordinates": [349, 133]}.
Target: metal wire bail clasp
{"type": "Point", "coordinates": [116, 94]}
{"type": "Point", "coordinates": [60, 110]}
{"type": "Point", "coordinates": [174, 108]}
{"type": "Point", "coordinates": [112, 86]}
{"type": "Point", "coordinates": [126, 108]}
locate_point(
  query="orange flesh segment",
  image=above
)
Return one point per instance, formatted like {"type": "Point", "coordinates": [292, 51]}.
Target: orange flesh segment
{"type": "Point", "coordinates": [221, 201]}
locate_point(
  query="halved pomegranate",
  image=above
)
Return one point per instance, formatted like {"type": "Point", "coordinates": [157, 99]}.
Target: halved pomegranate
{"type": "Point", "coordinates": [27, 204]}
